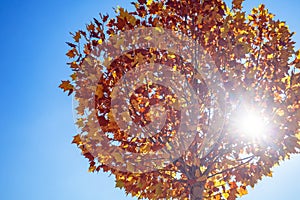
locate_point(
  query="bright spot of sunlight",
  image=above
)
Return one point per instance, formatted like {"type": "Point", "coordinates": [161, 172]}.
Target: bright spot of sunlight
{"type": "Point", "coordinates": [251, 123]}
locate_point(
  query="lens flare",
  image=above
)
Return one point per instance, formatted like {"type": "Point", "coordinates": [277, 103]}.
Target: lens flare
{"type": "Point", "coordinates": [251, 123]}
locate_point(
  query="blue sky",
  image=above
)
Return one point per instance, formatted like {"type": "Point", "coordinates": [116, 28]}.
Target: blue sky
{"type": "Point", "coordinates": [37, 159]}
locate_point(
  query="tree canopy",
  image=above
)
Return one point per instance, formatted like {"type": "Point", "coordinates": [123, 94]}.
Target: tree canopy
{"type": "Point", "coordinates": [159, 91]}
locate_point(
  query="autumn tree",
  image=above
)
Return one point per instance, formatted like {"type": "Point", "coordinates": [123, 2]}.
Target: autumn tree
{"type": "Point", "coordinates": [161, 92]}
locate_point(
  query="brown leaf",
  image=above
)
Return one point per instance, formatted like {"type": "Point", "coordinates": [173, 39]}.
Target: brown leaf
{"type": "Point", "coordinates": [77, 36]}
{"type": "Point", "coordinates": [67, 86]}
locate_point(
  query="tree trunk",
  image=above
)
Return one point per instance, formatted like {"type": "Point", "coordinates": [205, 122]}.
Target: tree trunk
{"type": "Point", "coordinates": [197, 191]}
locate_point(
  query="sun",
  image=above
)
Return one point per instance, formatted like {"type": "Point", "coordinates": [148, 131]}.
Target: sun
{"type": "Point", "coordinates": [251, 123]}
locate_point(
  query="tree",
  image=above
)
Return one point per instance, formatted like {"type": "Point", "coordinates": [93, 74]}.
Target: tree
{"type": "Point", "coordinates": [229, 62]}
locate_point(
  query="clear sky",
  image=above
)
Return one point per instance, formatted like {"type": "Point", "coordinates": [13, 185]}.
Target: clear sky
{"type": "Point", "coordinates": [37, 160]}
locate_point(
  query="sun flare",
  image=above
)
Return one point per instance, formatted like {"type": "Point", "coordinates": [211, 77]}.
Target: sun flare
{"type": "Point", "coordinates": [251, 124]}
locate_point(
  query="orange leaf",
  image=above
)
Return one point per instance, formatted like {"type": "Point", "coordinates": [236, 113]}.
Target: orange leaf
{"type": "Point", "coordinates": [71, 54]}
{"type": "Point", "coordinates": [67, 86]}
{"type": "Point", "coordinates": [77, 36]}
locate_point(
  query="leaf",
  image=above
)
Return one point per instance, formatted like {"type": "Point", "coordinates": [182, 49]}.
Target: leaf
{"type": "Point", "coordinates": [237, 4]}
{"type": "Point", "coordinates": [92, 168]}
{"type": "Point", "coordinates": [158, 189]}
{"type": "Point", "coordinates": [159, 29]}
{"type": "Point", "coordinates": [67, 86]}
{"type": "Point", "coordinates": [233, 185]}
{"type": "Point", "coordinates": [105, 17]}
{"type": "Point", "coordinates": [74, 65]}
{"type": "Point", "coordinates": [99, 91]}
{"type": "Point", "coordinates": [130, 167]}
{"type": "Point", "coordinates": [169, 147]}
{"type": "Point", "coordinates": [71, 53]}
{"type": "Point", "coordinates": [119, 184]}
{"type": "Point", "coordinates": [298, 54]}
{"type": "Point", "coordinates": [117, 156]}
{"type": "Point", "coordinates": [242, 191]}
{"type": "Point", "coordinates": [70, 44]}
{"type": "Point", "coordinates": [77, 36]}
{"type": "Point", "coordinates": [80, 123]}
{"type": "Point", "coordinates": [270, 174]}
{"type": "Point", "coordinates": [142, 1]}
{"type": "Point", "coordinates": [77, 140]}
{"type": "Point", "coordinates": [250, 17]}
{"type": "Point", "coordinates": [114, 74]}
{"type": "Point", "coordinates": [280, 112]}
{"type": "Point", "coordinates": [149, 2]}
{"type": "Point", "coordinates": [218, 197]}
{"type": "Point", "coordinates": [171, 56]}
{"type": "Point", "coordinates": [97, 22]}
{"type": "Point", "coordinates": [225, 195]}
{"type": "Point", "coordinates": [90, 27]}
{"type": "Point", "coordinates": [74, 76]}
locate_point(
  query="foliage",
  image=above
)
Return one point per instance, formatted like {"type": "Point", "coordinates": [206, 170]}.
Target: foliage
{"type": "Point", "coordinates": [255, 56]}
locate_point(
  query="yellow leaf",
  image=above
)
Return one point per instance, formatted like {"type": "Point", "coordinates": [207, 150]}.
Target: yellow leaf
{"type": "Point", "coordinates": [159, 29]}
{"type": "Point", "coordinates": [146, 147]}
{"type": "Point", "coordinates": [139, 58]}
{"type": "Point", "coordinates": [114, 74]}
{"type": "Point", "coordinates": [119, 183]}
{"type": "Point", "coordinates": [117, 156]}
{"type": "Point", "coordinates": [286, 79]}
{"type": "Point", "coordinates": [168, 146]}
{"type": "Point", "coordinates": [225, 195]}
{"type": "Point", "coordinates": [298, 55]}
{"type": "Point", "coordinates": [129, 167]}
{"type": "Point", "coordinates": [130, 177]}
{"type": "Point", "coordinates": [250, 18]}
{"type": "Point", "coordinates": [282, 24]}
{"type": "Point", "coordinates": [171, 56]}
{"type": "Point", "coordinates": [242, 191]}
{"type": "Point", "coordinates": [219, 183]}
{"type": "Point", "coordinates": [149, 2]}
{"type": "Point", "coordinates": [203, 168]}
{"type": "Point", "coordinates": [298, 135]}
{"type": "Point", "coordinates": [158, 189]}
{"type": "Point", "coordinates": [80, 122]}
{"type": "Point", "coordinates": [148, 38]}
{"type": "Point", "coordinates": [270, 174]}
{"type": "Point", "coordinates": [99, 91]}
{"type": "Point", "coordinates": [92, 168]}
{"type": "Point", "coordinates": [107, 62]}
{"type": "Point", "coordinates": [174, 67]}
{"type": "Point", "coordinates": [125, 116]}
{"type": "Point", "coordinates": [280, 112]}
